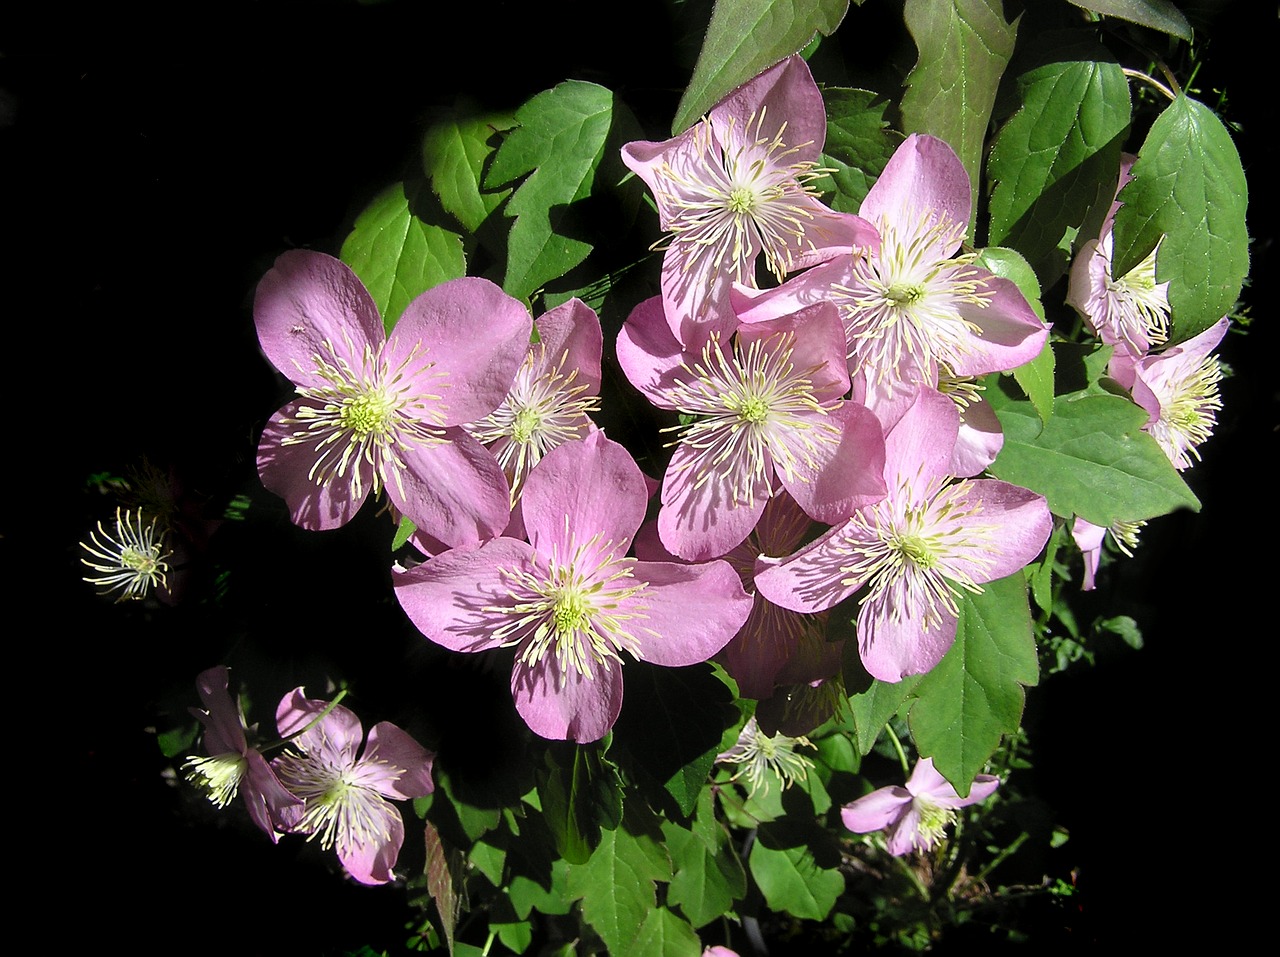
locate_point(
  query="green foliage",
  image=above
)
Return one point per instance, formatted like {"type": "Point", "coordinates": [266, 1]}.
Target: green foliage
{"type": "Point", "coordinates": [1189, 187]}
{"type": "Point", "coordinates": [964, 47]}
{"type": "Point", "coordinates": [617, 884]}
{"type": "Point", "coordinates": [1091, 459]}
{"type": "Point", "coordinates": [745, 38]}
{"type": "Point", "coordinates": [397, 254]}
{"type": "Point", "coordinates": [1052, 161]}
{"type": "Point", "coordinates": [976, 693]}
{"type": "Point", "coordinates": [557, 147]}
{"type": "Point", "coordinates": [1159, 15]}
{"type": "Point", "coordinates": [708, 874]}
{"type": "Point", "coordinates": [859, 145]}
{"type": "Point", "coordinates": [782, 861]}
{"type": "Point", "coordinates": [454, 153]}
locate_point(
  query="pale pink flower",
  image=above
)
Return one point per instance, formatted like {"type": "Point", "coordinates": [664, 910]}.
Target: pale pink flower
{"type": "Point", "coordinates": [377, 411]}
{"type": "Point", "coordinates": [1179, 388]}
{"type": "Point", "coordinates": [1129, 312]}
{"type": "Point", "coordinates": [767, 405]}
{"type": "Point", "coordinates": [1089, 538]}
{"type": "Point", "coordinates": [231, 766]}
{"type": "Point", "coordinates": [914, 307]}
{"type": "Point", "coordinates": [738, 185]}
{"type": "Point", "coordinates": [915, 550]}
{"type": "Point", "coordinates": [569, 601]}
{"type": "Point", "coordinates": [345, 791]}
{"type": "Point", "coordinates": [554, 393]}
{"type": "Point", "coordinates": [918, 815]}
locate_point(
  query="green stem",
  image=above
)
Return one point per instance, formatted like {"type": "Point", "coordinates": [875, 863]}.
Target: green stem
{"type": "Point", "coordinates": [488, 943]}
{"type": "Point", "coordinates": [982, 874]}
{"type": "Point", "coordinates": [897, 746]}
{"type": "Point", "coordinates": [310, 724]}
{"type": "Point", "coordinates": [1146, 78]}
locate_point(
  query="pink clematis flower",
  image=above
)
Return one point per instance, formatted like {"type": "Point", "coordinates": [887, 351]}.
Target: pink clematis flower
{"type": "Point", "coordinates": [232, 766]}
{"type": "Point", "coordinates": [382, 411]}
{"type": "Point", "coordinates": [929, 538]}
{"type": "Point", "coordinates": [1179, 388]}
{"type": "Point", "coordinates": [568, 600]}
{"type": "Point", "coordinates": [554, 393]}
{"type": "Point", "coordinates": [1129, 312]}
{"type": "Point", "coordinates": [738, 185]}
{"type": "Point", "coordinates": [768, 407]}
{"type": "Point", "coordinates": [915, 308]}
{"type": "Point", "coordinates": [345, 792]}
{"type": "Point", "coordinates": [918, 815]}
{"type": "Point", "coordinates": [1089, 538]}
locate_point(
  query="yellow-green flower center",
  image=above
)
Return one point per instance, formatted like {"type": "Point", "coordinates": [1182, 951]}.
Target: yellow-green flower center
{"type": "Point", "coordinates": [934, 821]}
{"type": "Point", "coordinates": [743, 200]}
{"type": "Point", "coordinates": [526, 424]}
{"type": "Point", "coordinates": [367, 412]}
{"type": "Point", "coordinates": [219, 775]}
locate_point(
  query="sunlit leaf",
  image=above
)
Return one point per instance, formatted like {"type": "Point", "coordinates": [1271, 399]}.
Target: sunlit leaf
{"type": "Point", "coordinates": [859, 144]}
{"type": "Point", "coordinates": [1159, 15]}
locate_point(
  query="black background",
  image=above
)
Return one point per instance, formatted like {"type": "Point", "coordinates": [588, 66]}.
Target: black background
{"type": "Point", "coordinates": [156, 160]}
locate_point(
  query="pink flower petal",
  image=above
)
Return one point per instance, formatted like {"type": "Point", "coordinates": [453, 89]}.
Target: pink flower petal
{"type": "Point", "coordinates": [877, 810]}
{"type": "Point", "coordinates": [689, 611]}
{"type": "Point", "coordinates": [571, 706]}
{"type": "Point", "coordinates": [453, 490]}
{"type": "Point", "coordinates": [285, 470]}
{"type": "Point", "coordinates": [395, 765]}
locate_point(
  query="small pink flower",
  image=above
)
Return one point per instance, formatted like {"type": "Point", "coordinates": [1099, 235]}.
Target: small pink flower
{"type": "Point", "coordinates": [916, 816]}
{"type": "Point", "coordinates": [345, 792]}
{"type": "Point", "coordinates": [232, 766]}
{"type": "Point", "coordinates": [569, 601]}
{"type": "Point", "coordinates": [377, 411]}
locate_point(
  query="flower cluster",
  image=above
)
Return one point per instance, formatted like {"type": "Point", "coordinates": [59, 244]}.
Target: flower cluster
{"type": "Point", "coordinates": [323, 785]}
{"type": "Point", "coordinates": [1176, 385]}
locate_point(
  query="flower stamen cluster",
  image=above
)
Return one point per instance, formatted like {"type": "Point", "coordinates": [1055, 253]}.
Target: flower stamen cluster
{"type": "Point", "coordinates": [130, 559]}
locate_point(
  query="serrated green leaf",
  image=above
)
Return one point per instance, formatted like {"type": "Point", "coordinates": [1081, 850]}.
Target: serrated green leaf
{"type": "Point", "coordinates": [1189, 187]}
{"type": "Point", "coordinates": [745, 38]}
{"type": "Point", "coordinates": [663, 934]}
{"type": "Point", "coordinates": [528, 895]}
{"type": "Point", "coordinates": [976, 693]}
{"type": "Point", "coordinates": [1091, 459]}
{"type": "Point", "coordinates": [454, 152]}
{"type": "Point", "coordinates": [1159, 15]}
{"type": "Point", "coordinates": [964, 47]}
{"type": "Point", "coordinates": [792, 881]}
{"type": "Point", "coordinates": [859, 145]}
{"type": "Point", "coordinates": [1056, 157]}
{"type": "Point", "coordinates": [489, 860]}
{"type": "Point", "coordinates": [398, 255]}
{"type": "Point", "coordinates": [617, 887]}
{"type": "Point", "coordinates": [709, 876]}
{"type": "Point", "coordinates": [558, 143]}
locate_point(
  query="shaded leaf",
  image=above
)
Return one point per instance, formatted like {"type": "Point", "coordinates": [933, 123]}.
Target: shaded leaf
{"type": "Point", "coordinates": [1159, 15]}
{"type": "Point", "coordinates": [745, 38]}
{"type": "Point", "coordinates": [398, 255]}
{"type": "Point", "coordinates": [874, 707]}
{"type": "Point", "coordinates": [709, 876]}
{"type": "Point", "coordinates": [1056, 158]}
{"type": "Point", "coordinates": [976, 693]}
{"type": "Point", "coordinates": [453, 155]}
{"type": "Point", "coordinates": [1188, 186]}
{"type": "Point", "coordinates": [964, 47]}
{"type": "Point", "coordinates": [663, 934]}
{"type": "Point", "coordinates": [859, 144]}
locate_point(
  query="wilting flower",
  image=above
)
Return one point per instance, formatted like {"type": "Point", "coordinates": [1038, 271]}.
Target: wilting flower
{"type": "Point", "coordinates": [762, 756]}
{"type": "Point", "coordinates": [382, 411]}
{"type": "Point", "coordinates": [231, 765]}
{"type": "Point", "coordinates": [1130, 312]}
{"type": "Point", "coordinates": [737, 185]}
{"type": "Point", "coordinates": [915, 550]}
{"type": "Point", "coordinates": [915, 308]}
{"type": "Point", "coordinates": [130, 559]}
{"type": "Point", "coordinates": [767, 405]}
{"type": "Point", "coordinates": [569, 601]}
{"type": "Point", "coordinates": [554, 393]}
{"type": "Point", "coordinates": [1089, 538]}
{"type": "Point", "coordinates": [344, 792]}
{"type": "Point", "coordinates": [1179, 388]}
{"type": "Point", "coordinates": [918, 815]}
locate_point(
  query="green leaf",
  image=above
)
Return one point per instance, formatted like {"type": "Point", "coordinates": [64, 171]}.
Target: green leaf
{"type": "Point", "coordinates": [398, 255]}
{"type": "Point", "coordinates": [1159, 15]}
{"type": "Point", "coordinates": [1056, 158]}
{"type": "Point", "coordinates": [1091, 459]}
{"type": "Point", "coordinates": [663, 934]}
{"type": "Point", "coordinates": [964, 46]}
{"type": "Point", "coordinates": [709, 876]}
{"type": "Point", "coordinates": [874, 707]}
{"type": "Point", "coordinates": [454, 152]}
{"type": "Point", "coordinates": [745, 38]}
{"type": "Point", "coordinates": [617, 885]}
{"type": "Point", "coordinates": [527, 894]}
{"type": "Point", "coordinates": [559, 144]}
{"type": "Point", "coordinates": [579, 791]}
{"type": "Point", "coordinates": [975, 694]}
{"type": "Point", "coordinates": [792, 881]}
{"type": "Point", "coordinates": [859, 144]}
{"type": "Point", "coordinates": [1188, 186]}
